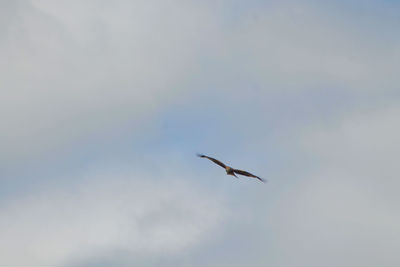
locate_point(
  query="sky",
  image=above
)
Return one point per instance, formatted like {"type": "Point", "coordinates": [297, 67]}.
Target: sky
{"type": "Point", "coordinates": [104, 104]}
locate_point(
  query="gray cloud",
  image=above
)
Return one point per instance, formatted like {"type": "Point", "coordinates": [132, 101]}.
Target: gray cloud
{"type": "Point", "coordinates": [105, 215]}
{"type": "Point", "coordinates": [76, 72]}
{"type": "Point", "coordinates": [344, 210]}
{"type": "Point", "coordinates": [336, 206]}
{"type": "Point", "coordinates": [361, 144]}
{"type": "Point", "coordinates": [75, 69]}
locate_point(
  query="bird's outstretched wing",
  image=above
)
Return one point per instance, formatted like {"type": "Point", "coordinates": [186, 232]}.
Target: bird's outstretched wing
{"type": "Point", "coordinates": [213, 160]}
{"type": "Point", "coordinates": [248, 174]}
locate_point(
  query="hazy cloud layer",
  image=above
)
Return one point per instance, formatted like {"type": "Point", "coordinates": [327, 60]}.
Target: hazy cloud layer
{"type": "Point", "coordinates": [107, 214]}
{"type": "Point", "coordinates": [346, 210]}
{"type": "Point", "coordinates": [304, 94]}
{"type": "Point", "coordinates": [77, 69]}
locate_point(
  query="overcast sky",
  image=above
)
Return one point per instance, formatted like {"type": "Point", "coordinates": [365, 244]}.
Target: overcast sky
{"type": "Point", "coordinates": [104, 104]}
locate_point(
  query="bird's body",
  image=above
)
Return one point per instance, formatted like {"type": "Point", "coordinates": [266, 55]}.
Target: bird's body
{"type": "Point", "coordinates": [229, 170]}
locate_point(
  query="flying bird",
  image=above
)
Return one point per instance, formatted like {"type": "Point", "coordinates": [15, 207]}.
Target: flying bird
{"type": "Point", "coordinates": [230, 170]}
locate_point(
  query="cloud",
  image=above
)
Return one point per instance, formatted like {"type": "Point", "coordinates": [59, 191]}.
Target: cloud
{"type": "Point", "coordinates": [313, 82]}
{"type": "Point", "coordinates": [334, 202]}
{"type": "Point", "coordinates": [335, 219]}
{"type": "Point", "coordinates": [107, 214]}
{"type": "Point", "coordinates": [362, 143]}
{"type": "Point", "coordinates": [344, 210]}
{"type": "Point", "coordinates": [82, 71]}
{"type": "Point", "coordinates": [300, 45]}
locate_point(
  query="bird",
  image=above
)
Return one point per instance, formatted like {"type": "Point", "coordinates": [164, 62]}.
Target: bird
{"type": "Point", "coordinates": [229, 170]}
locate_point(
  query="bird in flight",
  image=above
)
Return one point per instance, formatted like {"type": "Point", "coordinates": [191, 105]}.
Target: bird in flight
{"type": "Point", "coordinates": [230, 170]}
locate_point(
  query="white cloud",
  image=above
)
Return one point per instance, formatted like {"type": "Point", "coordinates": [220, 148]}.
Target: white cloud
{"type": "Point", "coordinates": [362, 143]}
{"type": "Point", "coordinates": [344, 211]}
{"type": "Point", "coordinates": [82, 69]}
{"type": "Point", "coordinates": [334, 201]}
{"type": "Point", "coordinates": [79, 69]}
{"type": "Point", "coordinates": [76, 70]}
{"type": "Point", "coordinates": [333, 219]}
{"type": "Point", "coordinates": [106, 214]}
{"type": "Point", "coordinates": [301, 45]}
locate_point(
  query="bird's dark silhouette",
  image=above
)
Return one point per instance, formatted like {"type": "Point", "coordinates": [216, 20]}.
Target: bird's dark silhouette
{"type": "Point", "coordinates": [229, 170]}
